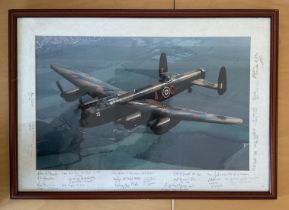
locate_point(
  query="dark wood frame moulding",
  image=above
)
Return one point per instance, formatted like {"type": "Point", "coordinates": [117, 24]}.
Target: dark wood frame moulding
{"type": "Point", "coordinates": [199, 13]}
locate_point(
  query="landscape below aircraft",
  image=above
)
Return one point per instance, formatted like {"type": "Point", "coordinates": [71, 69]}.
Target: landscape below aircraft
{"type": "Point", "coordinates": [144, 105]}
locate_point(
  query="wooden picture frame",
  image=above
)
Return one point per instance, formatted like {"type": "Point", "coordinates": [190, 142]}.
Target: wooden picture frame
{"type": "Point", "coordinates": [16, 74]}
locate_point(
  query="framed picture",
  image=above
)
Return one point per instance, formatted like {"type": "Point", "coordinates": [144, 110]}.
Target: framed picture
{"type": "Point", "coordinates": [143, 103]}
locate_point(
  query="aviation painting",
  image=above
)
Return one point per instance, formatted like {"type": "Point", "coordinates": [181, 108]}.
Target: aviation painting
{"type": "Point", "coordinates": [142, 103]}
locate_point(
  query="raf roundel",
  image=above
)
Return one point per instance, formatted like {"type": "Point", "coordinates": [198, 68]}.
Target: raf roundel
{"type": "Point", "coordinates": [166, 92]}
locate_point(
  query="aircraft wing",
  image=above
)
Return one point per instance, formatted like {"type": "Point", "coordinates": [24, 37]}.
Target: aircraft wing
{"type": "Point", "coordinates": [85, 84]}
{"type": "Point", "coordinates": [179, 113]}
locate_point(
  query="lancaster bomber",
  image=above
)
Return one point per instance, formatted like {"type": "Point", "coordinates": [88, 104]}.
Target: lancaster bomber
{"type": "Point", "coordinates": [141, 106]}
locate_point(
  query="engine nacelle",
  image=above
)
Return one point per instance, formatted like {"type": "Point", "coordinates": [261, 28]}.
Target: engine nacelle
{"type": "Point", "coordinates": [70, 95]}
{"type": "Point", "coordinates": [133, 120]}
{"type": "Point", "coordinates": [163, 125]}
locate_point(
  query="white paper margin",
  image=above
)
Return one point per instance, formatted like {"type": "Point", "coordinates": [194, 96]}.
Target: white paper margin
{"type": "Point", "coordinates": [257, 179]}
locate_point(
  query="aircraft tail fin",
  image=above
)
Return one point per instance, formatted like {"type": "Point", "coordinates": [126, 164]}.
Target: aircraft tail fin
{"type": "Point", "coordinates": [222, 81]}
{"type": "Point", "coordinates": [221, 86]}
{"type": "Point", "coordinates": [163, 67]}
